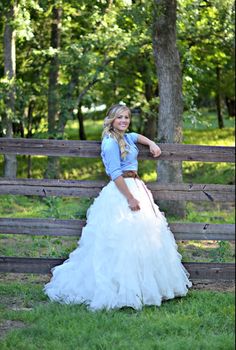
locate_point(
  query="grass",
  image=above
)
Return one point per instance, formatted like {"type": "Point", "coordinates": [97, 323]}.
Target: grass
{"type": "Point", "coordinates": [201, 320]}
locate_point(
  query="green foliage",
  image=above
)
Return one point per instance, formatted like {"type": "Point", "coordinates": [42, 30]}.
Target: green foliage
{"type": "Point", "coordinates": [106, 56]}
{"type": "Point", "coordinates": [52, 207]}
{"type": "Point", "coordinates": [206, 36]}
{"type": "Point", "coordinates": [222, 251]}
{"type": "Point", "coordinates": [209, 212]}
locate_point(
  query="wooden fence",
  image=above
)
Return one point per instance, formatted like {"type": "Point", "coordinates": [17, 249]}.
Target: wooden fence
{"type": "Point", "coordinates": [73, 188]}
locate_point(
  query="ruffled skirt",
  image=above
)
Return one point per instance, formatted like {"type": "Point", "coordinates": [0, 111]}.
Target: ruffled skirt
{"type": "Point", "coordinates": [124, 258]}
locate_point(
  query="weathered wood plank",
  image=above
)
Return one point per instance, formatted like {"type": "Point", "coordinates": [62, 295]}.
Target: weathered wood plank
{"type": "Point", "coordinates": [56, 227]}
{"type": "Point", "coordinates": [68, 188]}
{"type": "Point", "coordinates": [214, 271]}
{"type": "Point", "coordinates": [203, 231]}
{"type": "Point", "coordinates": [91, 149]}
{"type": "Point", "coordinates": [49, 227]}
{"type": "Point", "coordinates": [28, 265]}
{"type": "Point", "coordinates": [45, 187]}
{"type": "Point", "coordinates": [193, 192]}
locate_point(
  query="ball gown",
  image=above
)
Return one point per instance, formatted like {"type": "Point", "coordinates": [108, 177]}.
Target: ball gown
{"type": "Point", "coordinates": [124, 258]}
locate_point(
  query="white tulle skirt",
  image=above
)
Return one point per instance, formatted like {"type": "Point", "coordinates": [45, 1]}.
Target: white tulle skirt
{"type": "Point", "coordinates": [124, 258]}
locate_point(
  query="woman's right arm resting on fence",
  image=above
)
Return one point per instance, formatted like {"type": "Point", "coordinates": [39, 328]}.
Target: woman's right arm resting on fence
{"type": "Point", "coordinates": [153, 147]}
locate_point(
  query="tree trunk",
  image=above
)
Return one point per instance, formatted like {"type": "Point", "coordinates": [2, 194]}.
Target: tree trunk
{"type": "Point", "coordinates": [218, 100]}
{"type": "Point", "coordinates": [150, 124]}
{"type": "Point", "coordinates": [10, 162]}
{"type": "Point", "coordinates": [66, 109]}
{"type": "Point", "coordinates": [82, 135]}
{"type": "Point", "coordinates": [29, 135]}
{"type": "Point", "coordinates": [170, 91]}
{"type": "Point", "coordinates": [52, 171]}
{"type": "Point", "coordinates": [230, 104]}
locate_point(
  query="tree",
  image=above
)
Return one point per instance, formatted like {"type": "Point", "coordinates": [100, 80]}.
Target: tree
{"type": "Point", "coordinates": [206, 41]}
{"type": "Point", "coordinates": [10, 163]}
{"type": "Point", "coordinates": [132, 77]}
{"type": "Point", "coordinates": [53, 93]}
{"type": "Point", "coordinates": [20, 86]}
{"type": "Point", "coordinates": [96, 41]}
{"type": "Point", "coordinates": [170, 91]}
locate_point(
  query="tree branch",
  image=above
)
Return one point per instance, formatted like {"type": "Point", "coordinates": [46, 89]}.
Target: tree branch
{"type": "Point", "coordinates": [94, 80]}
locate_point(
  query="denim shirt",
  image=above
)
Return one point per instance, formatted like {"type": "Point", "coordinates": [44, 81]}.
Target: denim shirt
{"type": "Point", "coordinates": [111, 156]}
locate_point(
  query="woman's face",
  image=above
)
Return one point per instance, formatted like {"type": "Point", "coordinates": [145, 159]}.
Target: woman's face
{"type": "Point", "coordinates": [121, 123]}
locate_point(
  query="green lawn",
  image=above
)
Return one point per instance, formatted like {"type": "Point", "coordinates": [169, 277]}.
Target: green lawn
{"type": "Point", "coordinates": [201, 320]}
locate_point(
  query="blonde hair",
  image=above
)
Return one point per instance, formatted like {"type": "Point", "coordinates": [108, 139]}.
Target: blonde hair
{"type": "Point", "coordinates": [112, 113]}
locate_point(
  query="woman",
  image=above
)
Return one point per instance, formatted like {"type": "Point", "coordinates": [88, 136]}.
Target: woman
{"type": "Point", "coordinates": [127, 256]}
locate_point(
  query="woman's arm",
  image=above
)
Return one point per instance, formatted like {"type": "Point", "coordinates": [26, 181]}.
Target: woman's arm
{"type": "Point", "coordinates": [121, 184]}
{"type": "Point", "coordinates": [154, 149]}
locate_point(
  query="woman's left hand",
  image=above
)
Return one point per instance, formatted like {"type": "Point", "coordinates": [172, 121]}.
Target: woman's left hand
{"type": "Point", "coordinates": [155, 150]}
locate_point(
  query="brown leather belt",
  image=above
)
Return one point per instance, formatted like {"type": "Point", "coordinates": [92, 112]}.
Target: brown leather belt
{"type": "Point", "coordinates": [130, 173]}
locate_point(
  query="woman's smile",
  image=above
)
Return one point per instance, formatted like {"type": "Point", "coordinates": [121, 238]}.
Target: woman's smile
{"type": "Point", "coordinates": [121, 123]}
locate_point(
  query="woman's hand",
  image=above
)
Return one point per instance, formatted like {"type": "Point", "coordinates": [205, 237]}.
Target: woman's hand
{"type": "Point", "coordinates": [134, 204]}
{"type": "Point", "coordinates": [155, 150]}
{"type": "Point", "coordinates": [123, 188]}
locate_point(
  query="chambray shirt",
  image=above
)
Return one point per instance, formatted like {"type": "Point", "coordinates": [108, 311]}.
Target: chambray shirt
{"type": "Point", "coordinates": [111, 156]}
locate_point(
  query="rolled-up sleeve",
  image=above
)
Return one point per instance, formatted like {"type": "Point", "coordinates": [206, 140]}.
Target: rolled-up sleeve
{"type": "Point", "coordinates": [111, 158]}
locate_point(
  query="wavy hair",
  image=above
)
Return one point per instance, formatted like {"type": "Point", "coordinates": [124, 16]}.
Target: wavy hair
{"type": "Point", "coordinates": [112, 113]}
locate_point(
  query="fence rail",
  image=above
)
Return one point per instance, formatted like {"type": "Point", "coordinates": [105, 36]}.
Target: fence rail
{"type": "Point", "coordinates": [91, 149]}
{"type": "Point", "coordinates": [56, 227]}
{"type": "Point", "coordinates": [214, 271]}
{"type": "Point", "coordinates": [69, 188]}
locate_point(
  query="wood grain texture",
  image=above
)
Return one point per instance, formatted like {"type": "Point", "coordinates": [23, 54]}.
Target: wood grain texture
{"type": "Point", "coordinates": [213, 271]}
{"type": "Point", "coordinates": [69, 188]}
{"type": "Point", "coordinates": [56, 227]}
{"type": "Point", "coordinates": [92, 149]}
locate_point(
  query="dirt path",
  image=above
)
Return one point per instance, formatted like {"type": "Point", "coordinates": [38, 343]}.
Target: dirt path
{"type": "Point", "coordinates": [7, 325]}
